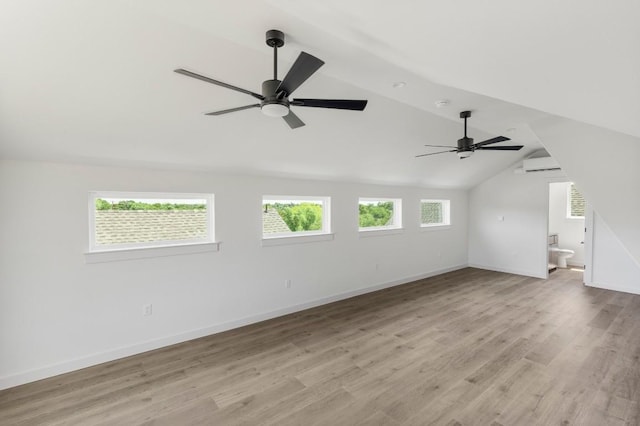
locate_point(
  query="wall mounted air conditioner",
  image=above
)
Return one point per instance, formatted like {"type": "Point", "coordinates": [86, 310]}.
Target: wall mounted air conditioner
{"type": "Point", "coordinates": [540, 164]}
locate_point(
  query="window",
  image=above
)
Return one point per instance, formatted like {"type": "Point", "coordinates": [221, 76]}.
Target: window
{"type": "Point", "coordinates": [434, 213]}
{"type": "Point", "coordinates": [125, 220]}
{"type": "Point", "coordinates": [284, 216]}
{"type": "Point", "coordinates": [575, 203]}
{"type": "Point", "coordinates": [379, 213]}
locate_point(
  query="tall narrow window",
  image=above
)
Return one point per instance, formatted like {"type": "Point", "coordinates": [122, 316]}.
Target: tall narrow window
{"type": "Point", "coordinates": [434, 213]}
{"type": "Point", "coordinates": [379, 213]}
{"type": "Point", "coordinates": [575, 203]}
{"type": "Point", "coordinates": [121, 220]}
{"type": "Point", "coordinates": [284, 216]}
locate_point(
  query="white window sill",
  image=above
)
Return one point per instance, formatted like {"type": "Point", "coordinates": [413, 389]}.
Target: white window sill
{"type": "Point", "coordinates": [295, 239]}
{"type": "Point", "coordinates": [116, 255]}
{"type": "Point", "coordinates": [366, 233]}
{"type": "Point", "coordinates": [428, 228]}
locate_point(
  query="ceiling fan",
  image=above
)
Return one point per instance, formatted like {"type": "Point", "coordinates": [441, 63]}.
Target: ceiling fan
{"type": "Point", "coordinates": [466, 147]}
{"type": "Point", "coordinates": [274, 100]}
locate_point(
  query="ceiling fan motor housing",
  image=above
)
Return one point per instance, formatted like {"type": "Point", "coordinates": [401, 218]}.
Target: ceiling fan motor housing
{"type": "Point", "coordinates": [465, 144]}
{"type": "Point", "coordinates": [272, 105]}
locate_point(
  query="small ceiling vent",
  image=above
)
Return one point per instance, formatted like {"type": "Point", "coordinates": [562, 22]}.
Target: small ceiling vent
{"type": "Point", "coordinates": [540, 164]}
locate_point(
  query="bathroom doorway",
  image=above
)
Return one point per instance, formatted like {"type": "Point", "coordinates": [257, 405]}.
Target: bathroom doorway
{"type": "Point", "coordinates": [566, 229]}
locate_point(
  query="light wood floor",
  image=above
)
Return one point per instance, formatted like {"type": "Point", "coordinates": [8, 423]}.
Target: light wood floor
{"type": "Point", "coordinates": [469, 347]}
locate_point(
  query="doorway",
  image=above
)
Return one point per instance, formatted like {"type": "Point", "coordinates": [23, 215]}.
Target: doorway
{"type": "Point", "coordinates": [566, 227]}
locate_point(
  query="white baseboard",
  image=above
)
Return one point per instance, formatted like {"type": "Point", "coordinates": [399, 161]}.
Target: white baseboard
{"type": "Point", "coordinates": [508, 270]}
{"type": "Point", "coordinates": [99, 358]}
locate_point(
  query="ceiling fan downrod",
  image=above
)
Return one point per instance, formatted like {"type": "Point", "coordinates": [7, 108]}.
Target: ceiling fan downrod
{"type": "Point", "coordinates": [275, 39]}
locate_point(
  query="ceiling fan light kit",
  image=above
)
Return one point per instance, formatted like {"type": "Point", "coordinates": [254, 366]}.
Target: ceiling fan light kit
{"type": "Point", "coordinates": [466, 147]}
{"type": "Point", "coordinates": [275, 110]}
{"type": "Point", "coordinates": [274, 100]}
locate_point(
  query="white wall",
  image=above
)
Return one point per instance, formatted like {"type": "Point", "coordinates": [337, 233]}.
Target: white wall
{"type": "Point", "coordinates": [613, 268]}
{"type": "Point", "coordinates": [604, 165]}
{"type": "Point", "coordinates": [517, 244]}
{"type": "Point", "coordinates": [570, 231]}
{"type": "Point", "coordinates": [58, 313]}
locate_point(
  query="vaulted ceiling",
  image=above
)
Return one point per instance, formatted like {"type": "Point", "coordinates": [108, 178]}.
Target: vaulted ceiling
{"type": "Point", "coordinates": [92, 82]}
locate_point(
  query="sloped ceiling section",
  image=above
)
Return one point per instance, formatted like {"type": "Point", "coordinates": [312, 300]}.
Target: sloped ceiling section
{"type": "Point", "coordinates": [574, 59]}
{"type": "Point", "coordinates": [92, 82]}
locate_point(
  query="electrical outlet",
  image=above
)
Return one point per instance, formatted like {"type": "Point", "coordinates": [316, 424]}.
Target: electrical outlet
{"type": "Point", "coordinates": [147, 310]}
{"type": "Point", "coordinates": [287, 283]}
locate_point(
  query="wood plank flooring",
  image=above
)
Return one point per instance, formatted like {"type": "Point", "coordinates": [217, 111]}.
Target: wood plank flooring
{"type": "Point", "coordinates": [470, 347]}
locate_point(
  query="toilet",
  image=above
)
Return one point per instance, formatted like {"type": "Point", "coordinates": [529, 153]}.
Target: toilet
{"type": "Point", "coordinates": [557, 256]}
{"type": "Point", "coordinates": [561, 255]}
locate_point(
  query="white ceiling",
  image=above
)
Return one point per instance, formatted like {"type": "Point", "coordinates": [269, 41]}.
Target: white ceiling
{"type": "Point", "coordinates": [92, 82]}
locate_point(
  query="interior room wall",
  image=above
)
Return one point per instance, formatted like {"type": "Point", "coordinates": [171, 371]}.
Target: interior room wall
{"type": "Point", "coordinates": [604, 165]}
{"type": "Point", "coordinates": [613, 267]}
{"type": "Point", "coordinates": [508, 217]}
{"type": "Point", "coordinates": [508, 222]}
{"type": "Point", "coordinates": [570, 231]}
{"type": "Point", "coordinates": [58, 313]}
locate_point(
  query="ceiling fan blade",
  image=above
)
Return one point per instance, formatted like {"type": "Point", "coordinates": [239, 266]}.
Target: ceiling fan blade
{"type": "Point", "coordinates": [442, 146]}
{"type": "Point", "coordinates": [492, 140]}
{"type": "Point", "coordinates": [300, 71]}
{"type": "Point", "coordinates": [354, 105]}
{"type": "Point", "coordinates": [293, 120]}
{"type": "Point", "coordinates": [226, 111]}
{"type": "Point", "coordinates": [434, 153]}
{"type": "Point", "coordinates": [218, 83]}
{"type": "Point", "coordinates": [502, 148]}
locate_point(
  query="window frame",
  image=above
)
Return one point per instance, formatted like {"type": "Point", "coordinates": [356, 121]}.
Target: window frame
{"type": "Point", "coordinates": [303, 235]}
{"type": "Point", "coordinates": [397, 214]}
{"type": "Point", "coordinates": [446, 213]}
{"type": "Point", "coordinates": [99, 248]}
{"type": "Point", "coordinates": [569, 198]}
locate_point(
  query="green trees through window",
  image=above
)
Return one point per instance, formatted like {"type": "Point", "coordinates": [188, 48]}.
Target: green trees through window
{"type": "Point", "coordinates": [375, 214]}
{"type": "Point", "coordinates": [299, 216]}
{"type": "Point", "coordinates": [102, 204]}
